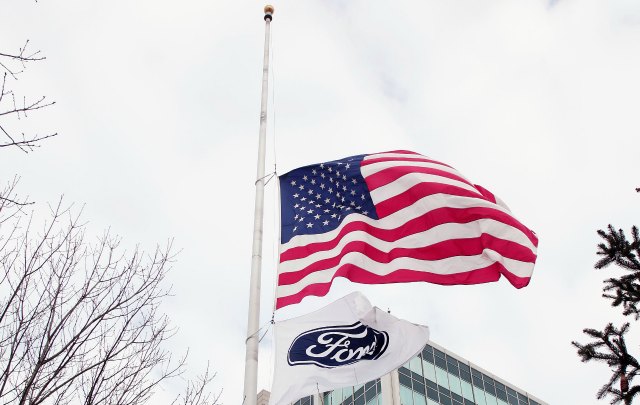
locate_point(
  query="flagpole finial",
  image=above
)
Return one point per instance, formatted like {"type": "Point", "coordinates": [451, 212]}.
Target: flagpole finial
{"type": "Point", "coordinates": [268, 12]}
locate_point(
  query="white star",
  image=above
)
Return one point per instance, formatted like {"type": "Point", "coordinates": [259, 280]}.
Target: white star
{"type": "Point", "coordinates": [310, 211]}
{"type": "Point", "coordinates": [305, 177]}
{"type": "Point", "coordinates": [310, 191]}
{"type": "Point", "coordinates": [301, 187]}
{"type": "Point", "coordinates": [330, 170]}
{"type": "Point", "coordinates": [296, 195]}
{"type": "Point", "coordinates": [365, 212]}
{"type": "Point", "coordinates": [327, 211]}
{"type": "Point", "coordinates": [344, 188]}
{"type": "Point", "coordinates": [325, 222]}
{"type": "Point", "coordinates": [316, 216]}
{"type": "Point", "coordinates": [327, 201]}
{"type": "Point", "coordinates": [340, 163]}
{"type": "Point", "coordinates": [330, 190]}
{"type": "Point", "coordinates": [303, 199]}
{"type": "Point", "coordinates": [313, 181]}
{"type": "Point", "coordinates": [301, 219]}
{"type": "Point", "coordinates": [342, 199]}
{"type": "Point", "coordinates": [318, 205]}
{"type": "Point", "coordinates": [338, 194]}
{"type": "Point", "coordinates": [338, 173]}
{"type": "Point", "coordinates": [331, 179]}
{"type": "Point", "coordinates": [322, 165]}
{"type": "Point", "coordinates": [352, 204]}
{"type": "Point", "coordinates": [322, 175]}
{"type": "Point", "coordinates": [295, 228]}
{"type": "Point", "coordinates": [353, 192]}
{"type": "Point", "coordinates": [348, 165]}
{"type": "Point", "coordinates": [309, 225]}
{"type": "Point", "coordinates": [348, 208]}
{"type": "Point", "coordinates": [322, 186]}
{"type": "Point", "coordinates": [318, 196]}
{"type": "Point", "coordinates": [296, 217]}
{"type": "Point", "coordinates": [362, 196]}
{"type": "Point", "coordinates": [354, 181]}
{"type": "Point", "coordinates": [296, 206]}
{"type": "Point", "coordinates": [314, 172]}
{"type": "Point", "coordinates": [334, 215]}
{"type": "Point", "coordinates": [359, 207]}
{"type": "Point", "coordinates": [344, 177]}
{"type": "Point", "coordinates": [293, 182]}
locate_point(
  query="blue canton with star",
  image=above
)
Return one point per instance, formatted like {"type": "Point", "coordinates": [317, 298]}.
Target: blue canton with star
{"type": "Point", "coordinates": [317, 198]}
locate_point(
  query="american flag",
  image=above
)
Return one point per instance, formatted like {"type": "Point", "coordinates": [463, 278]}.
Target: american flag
{"type": "Point", "coordinates": [394, 217]}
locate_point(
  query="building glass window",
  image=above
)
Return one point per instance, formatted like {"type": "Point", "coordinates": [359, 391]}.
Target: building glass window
{"type": "Point", "coordinates": [478, 396]}
{"type": "Point", "coordinates": [364, 394]}
{"type": "Point", "coordinates": [336, 397]}
{"type": "Point", "coordinates": [419, 399]}
{"type": "Point", "coordinates": [454, 384]}
{"type": "Point", "coordinates": [491, 400]}
{"type": "Point", "coordinates": [415, 365]}
{"type": "Point", "coordinates": [467, 391]}
{"type": "Point", "coordinates": [429, 370]}
{"type": "Point", "coordinates": [304, 401]}
{"type": "Point", "coordinates": [441, 377]}
{"type": "Point", "coordinates": [432, 378]}
{"type": "Point", "coordinates": [406, 397]}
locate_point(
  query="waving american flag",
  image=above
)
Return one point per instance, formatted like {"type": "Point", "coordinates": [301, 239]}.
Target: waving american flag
{"type": "Point", "coordinates": [394, 217]}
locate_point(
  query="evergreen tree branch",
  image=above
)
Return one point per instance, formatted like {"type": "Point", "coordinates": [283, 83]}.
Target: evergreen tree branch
{"type": "Point", "coordinates": [610, 347]}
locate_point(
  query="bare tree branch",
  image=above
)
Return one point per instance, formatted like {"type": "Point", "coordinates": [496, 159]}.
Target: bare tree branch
{"type": "Point", "coordinates": [11, 111]}
{"type": "Point", "coordinates": [196, 393]}
{"type": "Point", "coordinates": [80, 321]}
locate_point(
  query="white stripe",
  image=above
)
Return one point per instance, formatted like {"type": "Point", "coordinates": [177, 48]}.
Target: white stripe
{"type": "Point", "coordinates": [409, 180]}
{"type": "Point", "coordinates": [374, 168]}
{"type": "Point", "coordinates": [448, 266]}
{"type": "Point", "coordinates": [429, 237]}
{"type": "Point", "coordinates": [420, 207]}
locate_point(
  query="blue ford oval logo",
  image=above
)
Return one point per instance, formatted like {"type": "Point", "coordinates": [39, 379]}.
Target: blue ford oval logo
{"type": "Point", "coordinates": [335, 346]}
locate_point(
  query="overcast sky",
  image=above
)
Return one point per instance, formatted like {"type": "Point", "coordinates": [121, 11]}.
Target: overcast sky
{"type": "Point", "coordinates": [158, 105]}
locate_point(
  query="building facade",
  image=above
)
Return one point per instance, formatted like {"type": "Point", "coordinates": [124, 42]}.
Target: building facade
{"type": "Point", "coordinates": [435, 376]}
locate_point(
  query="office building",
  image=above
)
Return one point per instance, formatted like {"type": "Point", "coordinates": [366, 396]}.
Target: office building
{"type": "Point", "coordinates": [435, 376]}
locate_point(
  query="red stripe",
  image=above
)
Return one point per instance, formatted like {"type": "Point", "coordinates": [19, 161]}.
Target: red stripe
{"type": "Point", "coordinates": [422, 223]}
{"type": "Point", "coordinates": [486, 193]}
{"type": "Point", "coordinates": [358, 275]}
{"type": "Point", "coordinates": [386, 176]}
{"type": "Point", "coordinates": [437, 251]}
{"type": "Point", "coordinates": [370, 160]}
{"type": "Point", "coordinates": [399, 152]}
{"type": "Point", "coordinates": [418, 191]}
{"type": "Point", "coordinates": [409, 197]}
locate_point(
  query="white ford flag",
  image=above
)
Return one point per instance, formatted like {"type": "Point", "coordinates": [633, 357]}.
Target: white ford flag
{"type": "Point", "coordinates": [346, 343]}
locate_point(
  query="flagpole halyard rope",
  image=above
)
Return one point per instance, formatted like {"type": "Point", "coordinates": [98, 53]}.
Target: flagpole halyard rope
{"type": "Point", "coordinates": [273, 102]}
{"type": "Point", "coordinates": [276, 250]}
{"type": "Point", "coordinates": [276, 218]}
{"type": "Point", "coordinates": [267, 325]}
{"type": "Point", "coordinates": [269, 175]}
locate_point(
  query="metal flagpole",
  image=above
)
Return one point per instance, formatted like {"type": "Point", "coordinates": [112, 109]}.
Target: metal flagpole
{"type": "Point", "coordinates": [251, 357]}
